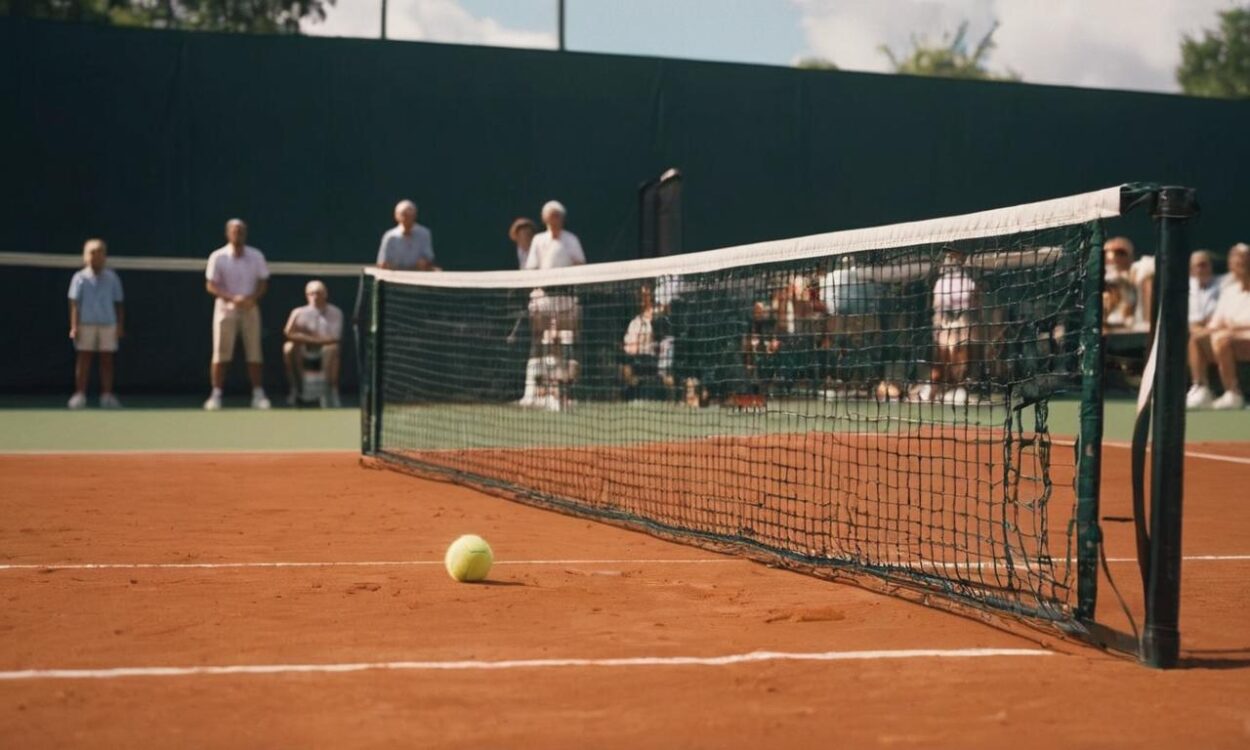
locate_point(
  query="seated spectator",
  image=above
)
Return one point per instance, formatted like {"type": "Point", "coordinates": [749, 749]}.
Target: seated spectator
{"type": "Point", "coordinates": [955, 301]}
{"type": "Point", "coordinates": [407, 246]}
{"type": "Point", "coordinates": [1129, 286]}
{"type": "Point", "coordinates": [96, 320]}
{"type": "Point", "coordinates": [852, 300]}
{"type": "Point", "coordinates": [1224, 341]}
{"type": "Point", "coordinates": [1204, 290]}
{"type": "Point", "coordinates": [641, 347]}
{"type": "Point", "coordinates": [522, 233]}
{"type": "Point", "coordinates": [1238, 255]}
{"type": "Point", "coordinates": [314, 332]}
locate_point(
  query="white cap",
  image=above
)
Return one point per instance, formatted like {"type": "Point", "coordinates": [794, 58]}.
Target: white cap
{"type": "Point", "coordinates": [553, 206]}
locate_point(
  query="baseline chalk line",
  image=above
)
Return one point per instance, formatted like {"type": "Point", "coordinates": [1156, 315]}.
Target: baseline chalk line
{"type": "Point", "coordinates": [640, 661]}
{"type": "Point", "coordinates": [347, 564]}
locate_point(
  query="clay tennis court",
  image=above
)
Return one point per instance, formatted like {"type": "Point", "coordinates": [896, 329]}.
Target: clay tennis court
{"type": "Point", "coordinates": [299, 600]}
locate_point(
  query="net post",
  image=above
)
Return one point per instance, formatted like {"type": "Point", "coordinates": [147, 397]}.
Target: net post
{"type": "Point", "coordinates": [374, 432]}
{"type": "Point", "coordinates": [1173, 209]}
{"type": "Point", "coordinates": [1089, 444]}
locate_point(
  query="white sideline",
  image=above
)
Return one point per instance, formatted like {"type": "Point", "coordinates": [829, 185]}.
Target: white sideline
{"type": "Point", "coordinates": [919, 564]}
{"type": "Point", "coordinates": [477, 665]}
{"type": "Point", "coordinates": [350, 564]}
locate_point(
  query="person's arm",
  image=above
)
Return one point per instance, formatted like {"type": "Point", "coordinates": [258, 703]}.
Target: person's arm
{"type": "Point", "coordinates": [531, 261]}
{"type": "Point", "coordinates": [425, 253]}
{"type": "Point", "coordinates": [73, 307]}
{"type": "Point", "coordinates": [579, 257]}
{"type": "Point", "coordinates": [294, 332]}
{"type": "Point", "coordinates": [119, 297]}
{"type": "Point", "coordinates": [383, 261]}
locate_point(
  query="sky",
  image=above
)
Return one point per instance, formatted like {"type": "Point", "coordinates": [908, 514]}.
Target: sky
{"type": "Point", "coordinates": [1122, 44]}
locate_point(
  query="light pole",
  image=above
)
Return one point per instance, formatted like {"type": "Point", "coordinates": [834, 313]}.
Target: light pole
{"type": "Point", "coordinates": [559, 19]}
{"type": "Point", "coordinates": [383, 19]}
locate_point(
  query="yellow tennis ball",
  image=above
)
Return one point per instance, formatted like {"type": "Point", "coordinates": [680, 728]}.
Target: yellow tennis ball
{"type": "Point", "coordinates": [469, 558]}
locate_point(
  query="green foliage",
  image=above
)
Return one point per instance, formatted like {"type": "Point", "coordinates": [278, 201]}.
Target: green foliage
{"type": "Point", "coordinates": [949, 58]}
{"type": "Point", "coordinates": [1218, 64]}
{"type": "Point", "coordinates": [816, 63]}
{"type": "Point", "coordinates": [247, 16]}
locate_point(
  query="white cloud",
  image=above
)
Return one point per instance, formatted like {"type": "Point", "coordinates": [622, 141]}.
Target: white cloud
{"type": "Point", "coordinates": [425, 20]}
{"type": "Point", "coordinates": [1096, 43]}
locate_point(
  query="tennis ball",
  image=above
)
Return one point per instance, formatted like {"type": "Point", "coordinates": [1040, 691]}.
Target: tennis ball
{"type": "Point", "coordinates": [469, 558]}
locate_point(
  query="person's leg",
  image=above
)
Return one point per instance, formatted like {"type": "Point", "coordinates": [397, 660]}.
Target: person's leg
{"type": "Point", "coordinates": [1200, 355]}
{"type": "Point", "coordinates": [293, 359]}
{"type": "Point", "coordinates": [330, 365]}
{"type": "Point", "coordinates": [82, 372]}
{"type": "Point", "coordinates": [106, 374]}
{"type": "Point", "coordinates": [1222, 349]}
{"type": "Point", "coordinates": [250, 331]}
{"type": "Point", "coordinates": [225, 329]}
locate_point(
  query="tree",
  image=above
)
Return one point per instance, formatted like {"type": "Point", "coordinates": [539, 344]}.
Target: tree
{"type": "Point", "coordinates": [949, 58]}
{"type": "Point", "coordinates": [816, 63]}
{"type": "Point", "coordinates": [1218, 64]}
{"type": "Point", "coordinates": [248, 16]}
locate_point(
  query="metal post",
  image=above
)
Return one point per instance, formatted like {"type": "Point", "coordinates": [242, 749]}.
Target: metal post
{"type": "Point", "coordinates": [376, 401]}
{"type": "Point", "coordinates": [1173, 209]}
{"type": "Point", "coordinates": [383, 19]}
{"type": "Point", "coordinates": [560, 21]}
{"type": "Point", "coordinates": [1089, 458]}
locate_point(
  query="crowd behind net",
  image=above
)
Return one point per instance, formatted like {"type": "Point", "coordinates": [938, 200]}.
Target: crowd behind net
{"type": "Point", "coordinates": [873, 401]}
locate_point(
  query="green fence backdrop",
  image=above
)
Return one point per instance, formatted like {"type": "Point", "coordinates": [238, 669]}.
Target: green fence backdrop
{"type": "Point", "coordinates": [152, 139]}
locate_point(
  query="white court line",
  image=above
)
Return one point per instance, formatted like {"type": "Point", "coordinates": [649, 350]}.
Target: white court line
{"type": "Point", "coordinates": [639, 661]}
{"type": "Point", "coordinates": [358, 564]}
{"type": "Point", "coordinates": [233, 453]}
{"type": "Point", "coordinates": [1188, 454]}
{"type": "Point", "coordinates": [918, 564]}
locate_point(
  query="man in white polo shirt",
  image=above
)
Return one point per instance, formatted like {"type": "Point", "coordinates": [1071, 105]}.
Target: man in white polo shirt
{"type": "Point", "coordinates": [314, 329]}
{"type": "Point", "coordinates": [556, 247]}
{"type": "Point", "coordinates": [553, 319]}
{"type": "Point", "coordinates": [238, 278]}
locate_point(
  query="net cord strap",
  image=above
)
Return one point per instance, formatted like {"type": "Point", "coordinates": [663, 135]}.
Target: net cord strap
{"type": "Point", "coordinates": [1031, 217]}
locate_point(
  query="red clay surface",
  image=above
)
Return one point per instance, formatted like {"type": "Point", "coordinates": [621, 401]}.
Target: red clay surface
{"type": "Point", "coordinates": [76, 509]}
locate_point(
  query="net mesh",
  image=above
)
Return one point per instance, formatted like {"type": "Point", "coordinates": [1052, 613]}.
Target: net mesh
{"type": "Point", "coordinates": [882, 411]}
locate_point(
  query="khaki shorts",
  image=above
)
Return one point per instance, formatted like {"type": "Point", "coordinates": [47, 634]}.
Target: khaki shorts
{"type": "Point", "coordinates": [96, 339]}
{"type": "Point", "coordinates": [231, 324]}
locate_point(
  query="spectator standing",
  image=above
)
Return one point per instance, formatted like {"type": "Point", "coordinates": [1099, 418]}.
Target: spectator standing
{"type": "Point", "coordinates": [522, 233]}
{"type": "Point", "coordinates": [955, 302]}
{"type": "Point", "coordinates": [96, 323]}
{"type": "Point", "coordinates": [237, 277]}
{"type": "Point", "coordinates": [556, 247]}
{"type": "Point", "coordinates": [407, 246]}
{"type": "Point", "coordinates": [1224, 342]}
{"type": "Point", "coordinates": [314, 330]}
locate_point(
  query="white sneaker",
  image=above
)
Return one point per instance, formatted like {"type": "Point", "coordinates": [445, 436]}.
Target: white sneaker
{"type": "Point", "coordinates": [213, 403]}
{"type": "Point", "coordinates": [924, 393]}
{"type": "Point", "coordinates": [78, 401]}
{"type": "Point", "coordinates": [1199, 397]}
{"type": "Point", "coordinates": [332, 401]}
{"type": "Point", "coordinates": [260, 401]}
{"type": "Point", "coordinates": [292, 399]}
{"type": "Point", "coordinates": [551, 402]}
{"type": "Point", "coordinates": [109, 401]}
{"type": "Point", "coordinates": [1230, 400]}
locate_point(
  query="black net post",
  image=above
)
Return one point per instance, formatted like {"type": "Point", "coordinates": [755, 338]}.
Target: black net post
{"type": "Point", "coordinates": [374, 402]}
{"type": "Point", "coordinates": [1174, 208]}
{"type": "Point", "coordinates": [1089, 445]}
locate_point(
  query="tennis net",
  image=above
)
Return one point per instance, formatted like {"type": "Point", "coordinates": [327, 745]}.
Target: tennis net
{"type": "Point", "coordinates": [871, 402]}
